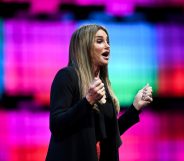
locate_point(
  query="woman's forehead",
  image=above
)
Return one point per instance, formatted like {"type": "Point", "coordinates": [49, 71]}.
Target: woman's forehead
{"type": "Point", "coordinates": [101, 33]}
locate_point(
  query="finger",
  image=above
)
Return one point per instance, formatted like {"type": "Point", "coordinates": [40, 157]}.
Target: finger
{"type": "Point", "coordinates": [103, 100]}
{"type": "Point", "coordinates": [100, 96]}
{"type": "Point", "coordinates": [145, 87]}
{"type": "Point", "coordinates": [149, 88]}
{"type": "Point", "coordinates": [149, 94]}
{"type": "Point", "coordinates": [105, 96]}
{"type": "Point", "coordinates": [147, 102]}
{"type": "Point", "coordinates": [148, 98]}
{"type": "Point", "coordinates": [143, 97]}
{"type": "Point", "coordinates": [99, 87]}
{"type": "Point", "coordinates": [101, 91]}
{"type": "Point", "coordinates": [144, 92]}
{"type": "Point", "coordinates": [96, 82]}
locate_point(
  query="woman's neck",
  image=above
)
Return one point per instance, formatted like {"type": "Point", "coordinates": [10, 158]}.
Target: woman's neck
{"type": "Point", "coordinates": [96, 71]}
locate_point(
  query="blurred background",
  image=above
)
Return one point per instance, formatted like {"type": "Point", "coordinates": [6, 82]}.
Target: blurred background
{"type": "Point", "coordinates": [147, 46]}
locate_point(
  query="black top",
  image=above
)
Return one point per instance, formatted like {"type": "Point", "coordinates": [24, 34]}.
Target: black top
{"type": "Point", "coordinates": [75, 126]}
{"type": "Point", "coordinates": [106, 144]}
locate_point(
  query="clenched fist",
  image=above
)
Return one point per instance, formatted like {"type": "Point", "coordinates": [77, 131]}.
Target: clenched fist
{"type": "Point", "coordinates": [96, 92]}
{"type": "Point", "coordinates": [143, 97]}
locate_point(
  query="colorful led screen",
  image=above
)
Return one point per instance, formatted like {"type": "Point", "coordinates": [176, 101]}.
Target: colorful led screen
{"type": "Point", "coordinates": [113, 7]}
{"type": "Point", "coordinates": [158, 137]}
{"type": "Point", "coordinates": [133, 60]}
{"type": "Point", "coordinates": [34, 51]}
{"type": "Point", "coordinates": [140, 53]}
{"type": "Point", "coordinates": [171, 60]}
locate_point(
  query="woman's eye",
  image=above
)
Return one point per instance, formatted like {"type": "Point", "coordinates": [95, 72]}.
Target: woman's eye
{"type": "Point", "coordinates": [99, 41]}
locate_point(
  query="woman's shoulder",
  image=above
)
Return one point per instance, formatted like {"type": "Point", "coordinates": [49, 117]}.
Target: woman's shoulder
{"type": "Point", "coordinates": [67, 72]}
{"type": "Point", "coordinates": [67, 69]}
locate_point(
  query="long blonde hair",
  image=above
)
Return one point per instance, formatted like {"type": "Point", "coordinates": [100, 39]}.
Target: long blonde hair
{"type": "Point", "coordinates": [80, 58]}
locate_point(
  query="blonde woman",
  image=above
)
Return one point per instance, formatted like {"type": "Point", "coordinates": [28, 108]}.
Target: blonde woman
{"type": "Point", "coordinates": [83, 107]}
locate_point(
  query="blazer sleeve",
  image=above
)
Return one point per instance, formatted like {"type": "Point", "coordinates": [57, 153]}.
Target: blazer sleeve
{"type": "Point", "coordinates": [128, 119]}
{"type": "Point", "coordinates": [64, 114]}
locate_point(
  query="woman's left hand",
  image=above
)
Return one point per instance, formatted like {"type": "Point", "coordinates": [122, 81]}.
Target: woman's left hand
{"type": "Point", "coordinates": [143, 97]}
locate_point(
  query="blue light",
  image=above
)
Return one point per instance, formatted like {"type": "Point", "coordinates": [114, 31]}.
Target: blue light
{"type": "Point", "coordinates": [1, 57]}
{"type": "Point", "coordinates": [133, 60]}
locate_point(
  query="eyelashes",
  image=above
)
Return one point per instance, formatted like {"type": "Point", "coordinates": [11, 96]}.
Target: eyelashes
{"type": "Point", "coordinates": [101, 41]}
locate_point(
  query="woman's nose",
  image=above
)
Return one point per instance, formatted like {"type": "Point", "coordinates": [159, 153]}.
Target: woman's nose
{"type": "Point", "coordinates": [107, 45]}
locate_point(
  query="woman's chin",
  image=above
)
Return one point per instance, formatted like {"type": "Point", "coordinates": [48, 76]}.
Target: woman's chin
{"type": "Point", "coordinates": [104, 63]}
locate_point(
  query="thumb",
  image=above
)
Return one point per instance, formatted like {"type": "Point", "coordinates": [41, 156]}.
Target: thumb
{"type": "Point", "coordinates": [96, 78]}
{"type": "Point", "coordinates": [147, 85]}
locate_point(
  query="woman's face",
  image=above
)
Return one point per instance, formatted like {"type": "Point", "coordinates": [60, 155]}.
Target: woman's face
{"type": "Point", "coordinates": [100, 49]}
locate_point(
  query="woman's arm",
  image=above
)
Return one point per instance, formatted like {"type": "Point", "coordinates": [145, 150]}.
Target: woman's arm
{"type": "Point", "coordinates": [64, 115]}
{"type": "Point", "coordinates": [128, 119]}
{"type": "Point", "coordinates": [131, 116]}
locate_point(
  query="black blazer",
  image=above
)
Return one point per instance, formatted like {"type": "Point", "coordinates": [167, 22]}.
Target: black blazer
{"type": "Point", "coordinates": [72, 122]}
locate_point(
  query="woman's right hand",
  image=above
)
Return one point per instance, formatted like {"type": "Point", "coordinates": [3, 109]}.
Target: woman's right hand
{"type": "Point", "coordinates": [96, 91]}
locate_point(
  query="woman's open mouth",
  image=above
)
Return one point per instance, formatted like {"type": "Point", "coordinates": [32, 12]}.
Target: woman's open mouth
{"type": "Point", "coordinates": [105, 55]}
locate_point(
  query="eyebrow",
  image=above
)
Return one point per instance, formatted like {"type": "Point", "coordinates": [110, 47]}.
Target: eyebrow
{"type": "Point", "coordinates": [100, 37]}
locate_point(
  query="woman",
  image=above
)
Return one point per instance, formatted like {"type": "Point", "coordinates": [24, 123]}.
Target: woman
{"type": "Point", "coordinates": [83, 111]}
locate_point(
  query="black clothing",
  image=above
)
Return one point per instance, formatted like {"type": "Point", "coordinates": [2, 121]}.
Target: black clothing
{"type": "Point", "coordinates": [76, 127]}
